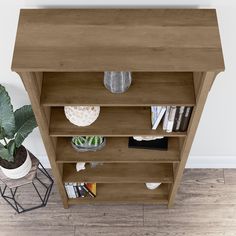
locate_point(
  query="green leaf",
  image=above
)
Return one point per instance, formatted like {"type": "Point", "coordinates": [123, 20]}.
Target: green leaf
{"type": "Point", "coordinates": [7, 119]}
{"type": "Point", "coordinates": [25, 123]}
{"type": "Point", "coordinates": [4, 153]}
{"type": "Point", "coordinates": [11, 146]}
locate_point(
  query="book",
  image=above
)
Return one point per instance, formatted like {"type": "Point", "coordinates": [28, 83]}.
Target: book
{"type": "Point", "coordinates": [171, 118]}
{"type": "Point", "coordinates": [89, 192]}
{"type": "Point", "coordinates": [181, 111]}
{"type": "Point", "coordinates": [92, 188]}
{"type": "Point", "coordinates": [69, 187]}
{"type": "Point", "coordinates": [157, 114]}
{"type": "Point", "coordinates": [157, 144]}
{"type": "Point", "coordinates": [176, 118]}
{"type": "Point", "coordinates": [75, 190]}
{"type": "Point", "coordinates": [166, 118]}
{"type": "Point", "coordinates": [186, 118]}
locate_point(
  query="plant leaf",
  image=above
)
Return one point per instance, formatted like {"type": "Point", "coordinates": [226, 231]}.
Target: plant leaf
{"type": "Point", "coordinates": [25, 123]}
{"type": "Point", "coordinates": [7, 119]}
{"type": "Point", "coordinates": [11, 146]}
{"type": "Point", "coordinates": [4, 153]}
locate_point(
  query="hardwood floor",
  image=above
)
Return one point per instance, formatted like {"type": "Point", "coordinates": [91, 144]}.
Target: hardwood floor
{"type": "Point", "coordinates": [205, 206]}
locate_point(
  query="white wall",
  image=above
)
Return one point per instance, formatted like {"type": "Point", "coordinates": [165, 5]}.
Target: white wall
{"type": "Point", "coordinates": [215, 143]}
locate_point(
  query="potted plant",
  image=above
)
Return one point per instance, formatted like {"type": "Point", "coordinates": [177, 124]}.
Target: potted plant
{"type": "Point", "coordinates": [15, 126]}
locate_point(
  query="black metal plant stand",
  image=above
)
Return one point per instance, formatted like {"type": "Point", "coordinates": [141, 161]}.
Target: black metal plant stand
{"type": "Point", "coordinates": [36, 176]}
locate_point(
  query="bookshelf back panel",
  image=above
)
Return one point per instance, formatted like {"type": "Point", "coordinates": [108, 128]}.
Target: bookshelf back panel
{"type": "Point", "coordinates": [126, 193]}
{"type": "Point", "coordinates": [116, 151]}
{"type": "Point", "coordinates": [112, 121]}
{"type": "Point", "coordinates": [120, 173]}
{"type": "Point", "coordinates": [146, 89]}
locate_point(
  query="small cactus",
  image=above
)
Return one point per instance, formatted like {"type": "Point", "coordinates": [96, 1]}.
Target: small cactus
{"type": "Point", "coordinates": [88, 143]}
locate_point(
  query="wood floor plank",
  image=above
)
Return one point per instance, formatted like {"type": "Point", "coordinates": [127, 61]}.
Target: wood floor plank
{"type": "Point", "coordinates": [84, 215]}
{"type": "Point", "coordinates": [203, 176]}
{"type": "Point", "coordinates": [230, 176]}
{"type": "Point", "coordinates": [146, 231]}
{"type": "Point", "coordinates": [29, 230]}
{"type": "Point", "coordinates": [192, 217]}
{"type": "Point", "coordinates": [218, 194]}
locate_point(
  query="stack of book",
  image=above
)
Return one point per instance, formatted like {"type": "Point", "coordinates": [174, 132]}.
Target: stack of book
{"type": "Point", "coordinates": [75, 190]}
{"type": "Point", "coordinates": [175, 118]}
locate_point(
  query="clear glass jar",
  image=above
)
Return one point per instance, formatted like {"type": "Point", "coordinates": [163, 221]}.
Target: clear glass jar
{"type": "Point", "coordinates": [117, 82]}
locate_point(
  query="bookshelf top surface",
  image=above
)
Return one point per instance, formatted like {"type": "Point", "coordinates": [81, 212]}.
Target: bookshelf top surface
{"type": "Point", "coordinates": [118, 39]}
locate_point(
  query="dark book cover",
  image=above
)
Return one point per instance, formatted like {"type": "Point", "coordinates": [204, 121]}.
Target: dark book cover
{"type": "Point", "coordinates": [185, 119]}
{"type": "Point", "coordinates": [91, 194]}
{"type": "Point", "coordinates": [157, 144]}
{"type": "Point", "coordinates": [176, 118]}
{"type": "Point", "coordinates": [82, 192]}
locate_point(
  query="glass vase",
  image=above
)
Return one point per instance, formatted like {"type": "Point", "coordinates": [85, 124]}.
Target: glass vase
{"type": "Point", "coordinates": [117, 82]}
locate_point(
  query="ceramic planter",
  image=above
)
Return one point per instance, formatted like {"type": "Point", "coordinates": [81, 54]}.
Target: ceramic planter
{"type": "Point", "coordinates": [20, 171]}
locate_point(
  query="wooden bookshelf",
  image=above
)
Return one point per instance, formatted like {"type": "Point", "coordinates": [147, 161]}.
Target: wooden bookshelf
{"type": "Point", "coordinates": [174, 56]}
{"type": "Point", "coordinates": [173, 89]}
{"type": "Point", "coordinates": [131, 194]}
{"type": "Point", "coordinates": [117, 151]}
{"type": "Point", "coordinates": [120, 173]}
{"type": "Point", "coordinates": [112, 122]}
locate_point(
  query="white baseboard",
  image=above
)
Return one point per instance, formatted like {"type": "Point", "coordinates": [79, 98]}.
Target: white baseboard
{"type": "Point", "coordinates": [193, 161]}
{"type": "Point", "coordinates": [211, 162]}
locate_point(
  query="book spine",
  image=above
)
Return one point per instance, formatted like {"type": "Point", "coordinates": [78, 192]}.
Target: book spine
{"type": "Point", "coordinates": [87, 190]}
{"type": "Point", "coordinates": [67, 190]}
{"type": "Point", "coordinates": [81, 191]}
{"type": "Point", "coordinates": [166, 118]}
{"type": "Point", "coordinates": [176, 118]}
{"type": "Point", "coordinates": [75, 189]}
{"type": "Point", "coordinates": [186, 118]}
{"type": "Point", "coordinates": [181, 111]}
{"type": "Point", "coordinates": [171, 118]}
{"type": "Point", "coordinates": [160, 115]}
{"type": "Point", "coordinates": [72, 191]}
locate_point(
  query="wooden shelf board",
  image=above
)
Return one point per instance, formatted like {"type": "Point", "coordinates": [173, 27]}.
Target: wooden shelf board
{"type": "Point", "coordinates": [146, 89]}
{"type": "Point", "coordinates": [118, 40]}
{"type": "Point", "coordinates": [112, 121]}
{"type": "Point", "coordinates": [125, 193]}
{"type": "Point", "coordinates": [120, 173]}
{"type": "Point", "coordinates": [115, 151]}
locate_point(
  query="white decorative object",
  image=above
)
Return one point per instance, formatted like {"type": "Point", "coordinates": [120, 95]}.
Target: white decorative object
{"type": "Point", "coordinates": [82, 115]}
{"type": "Point", "coordinates": [20, 171]}
{"type": "Point", "coordinates": [80, 166]}
{"type": "Point", "coordinates": [152, 186]}
{"type": "Point", "coordinates": [147, 138]}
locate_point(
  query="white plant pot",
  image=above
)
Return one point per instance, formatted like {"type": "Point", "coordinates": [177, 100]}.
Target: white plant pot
{"type": "Point", "coordinates": [20, 171]}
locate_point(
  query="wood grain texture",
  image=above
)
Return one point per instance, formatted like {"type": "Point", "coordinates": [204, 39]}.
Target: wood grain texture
{"type": "Point", "coordinates": [147, 231]}
{"type": "Point", "coordinates": [198, 176]}
{"type": "Point", "coordinates": [212, 217]}
{"type": "Point", "coordinates": [125, 193]}
{"type": "Point", "coordinates": [120, 173]}
{"type": "Point", "coordinates": [203, 89]}
{"type": "Point", "coordinates": [196, 213]}
{"type": "Point", "coordinates": [115, 151]}
{"type": "Point", "coordinates": [32, 83]}
{"type": "Point", "coordinates": [146, 89]}
{"type": "Point", "coordinates": [9, 230]}
{"type": "Point", "coordinates": [230, 176]}
{"type": "Point", "coordinates": [112, 121]}
{"type": "Point", "coordinates": [118, 40]}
